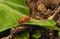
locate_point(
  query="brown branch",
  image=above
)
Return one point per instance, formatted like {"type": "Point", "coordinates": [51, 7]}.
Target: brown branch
{"type": "Point", "coordinates": [13, 31]}
{"type": "Point", "coordinates": [7, 37]}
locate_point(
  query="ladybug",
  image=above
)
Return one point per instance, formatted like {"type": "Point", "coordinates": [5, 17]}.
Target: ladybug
{"type": "Point", "coordinates": [26, 18]}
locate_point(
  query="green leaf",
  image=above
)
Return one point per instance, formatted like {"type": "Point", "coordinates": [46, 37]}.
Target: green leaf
{"type": "Point", "coordinates": [10, 12]}
{"type": "Point", "coordinates": [18, 5]}
{"type": "Point", "coordinates": [37, 35]}
{"type": "Point", "coordinates": [42, 22]}
{"type": "Point", "coordinates": [49, 24]}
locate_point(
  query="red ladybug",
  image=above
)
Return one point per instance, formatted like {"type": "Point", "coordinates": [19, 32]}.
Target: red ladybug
{"type": "Point", "coordinates": [26, 18]}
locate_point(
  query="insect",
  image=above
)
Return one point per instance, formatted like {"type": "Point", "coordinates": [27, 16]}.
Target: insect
{"type": "Point", "coordinates": [26, 18]}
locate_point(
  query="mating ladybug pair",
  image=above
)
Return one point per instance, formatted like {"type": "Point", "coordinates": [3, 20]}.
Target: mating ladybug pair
{"type": "Point", "coordinates": [26, 18]}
